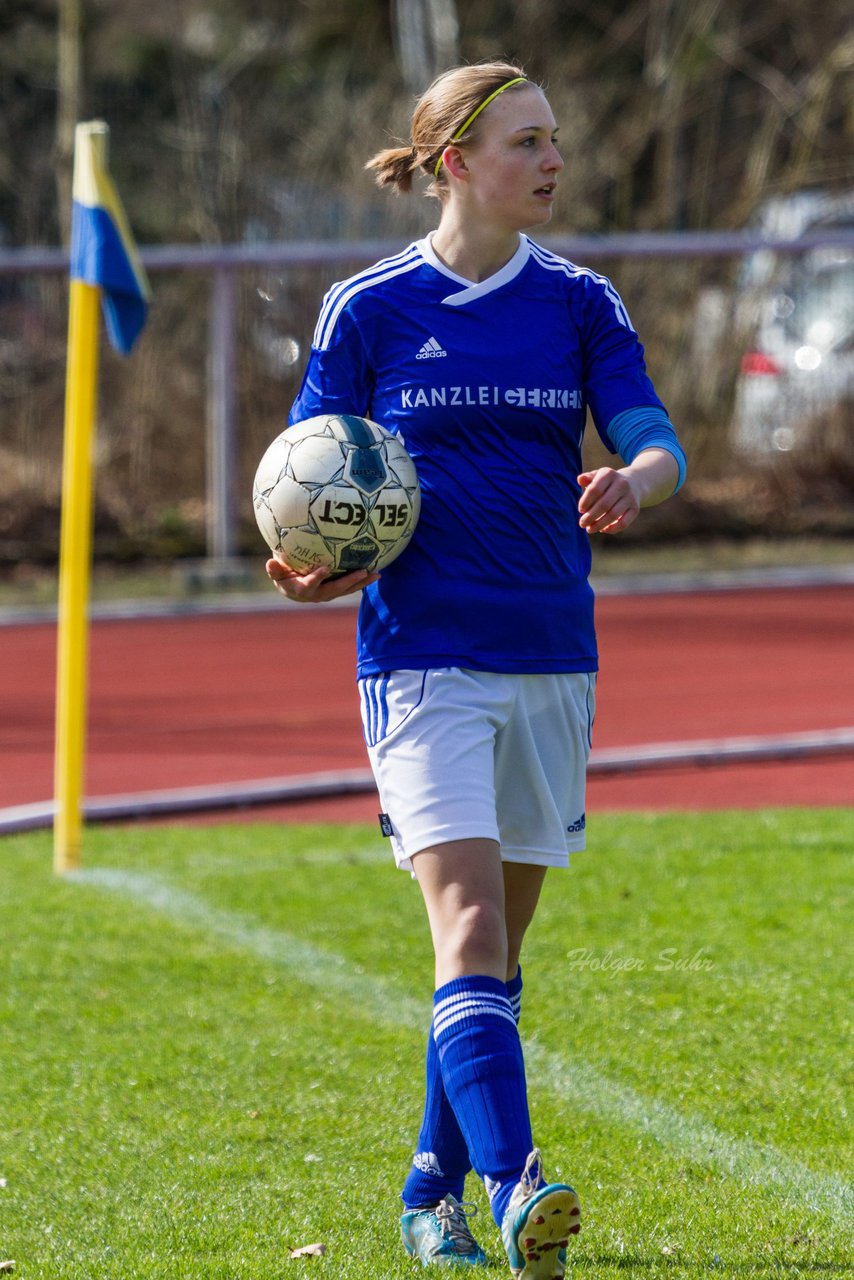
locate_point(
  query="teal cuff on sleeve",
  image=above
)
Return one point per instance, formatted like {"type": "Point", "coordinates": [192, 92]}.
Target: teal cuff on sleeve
{"type": "Point", "coordinates": [646, 427]}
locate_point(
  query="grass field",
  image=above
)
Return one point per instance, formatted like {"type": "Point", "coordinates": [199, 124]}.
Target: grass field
{"type": "Point", "coordinates": [212, 1044]}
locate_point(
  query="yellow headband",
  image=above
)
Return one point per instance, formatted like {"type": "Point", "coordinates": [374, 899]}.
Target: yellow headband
{"type": "Point", "coordinates": [474, 115]}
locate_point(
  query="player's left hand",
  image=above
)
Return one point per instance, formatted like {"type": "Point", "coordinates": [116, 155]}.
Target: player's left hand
{"type": "Point", "coordinates": [314, 587]}
{"type": "Point", "coordinates": [609, 502]}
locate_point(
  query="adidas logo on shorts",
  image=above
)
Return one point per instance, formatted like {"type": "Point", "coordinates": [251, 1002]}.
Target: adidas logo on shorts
{"type": "Point", "coordinates": [431, 350]}
{"type": "Point", "coordinates": [578, 825]}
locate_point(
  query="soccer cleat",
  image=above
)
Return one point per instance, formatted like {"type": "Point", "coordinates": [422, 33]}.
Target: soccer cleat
{"type": "Point", "coordinates": [539, 1219]}
{"type": "Point", "coordinates": [441, 1236]}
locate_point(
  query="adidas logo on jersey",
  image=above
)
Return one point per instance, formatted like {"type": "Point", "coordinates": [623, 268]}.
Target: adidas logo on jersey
{"type": "Point", "coordinates": [426, 1162]}
{"type": "Point", "coordinates": [431, 350]}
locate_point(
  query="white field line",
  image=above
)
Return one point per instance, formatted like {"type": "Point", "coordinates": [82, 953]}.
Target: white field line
{"type": "Point", "coordinates": [585, 1089]}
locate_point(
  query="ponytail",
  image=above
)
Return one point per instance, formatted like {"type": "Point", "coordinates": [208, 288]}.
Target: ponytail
{"type": "Point", "coordinates": [395, 167]}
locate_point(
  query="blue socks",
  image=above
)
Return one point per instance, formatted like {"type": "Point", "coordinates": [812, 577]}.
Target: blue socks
{"type": "Point", "coordinates": [440, 1164]}
{"type": "Point", "coordinates": [476, 1108]}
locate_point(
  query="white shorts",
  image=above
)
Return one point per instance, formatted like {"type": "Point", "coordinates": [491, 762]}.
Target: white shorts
{"type": "Point", "coordinates": [461, 754]}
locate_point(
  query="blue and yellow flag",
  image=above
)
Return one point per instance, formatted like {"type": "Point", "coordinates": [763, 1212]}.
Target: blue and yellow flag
{"type": "Point", "coordinates": [103, 252]}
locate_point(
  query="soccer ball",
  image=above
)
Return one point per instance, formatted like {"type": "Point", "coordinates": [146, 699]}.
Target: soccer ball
{"type": "Point", "coordinates": [339, 491]}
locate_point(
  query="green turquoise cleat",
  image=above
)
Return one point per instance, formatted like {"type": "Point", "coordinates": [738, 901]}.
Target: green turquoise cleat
{"type": "Point", "coordinates": [441, 1236]}
{"type": "Point", "coordinates": [538, 1222]}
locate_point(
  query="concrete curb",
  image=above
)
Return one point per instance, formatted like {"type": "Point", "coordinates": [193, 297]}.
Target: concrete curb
{"type": "Point", "coordinates": [774, 578]}
{"type": "Point", "coordinates": [314, 786]}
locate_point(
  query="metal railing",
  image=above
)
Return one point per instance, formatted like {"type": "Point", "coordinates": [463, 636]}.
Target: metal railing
{"type": "Point", "coordinates": [224, 263]}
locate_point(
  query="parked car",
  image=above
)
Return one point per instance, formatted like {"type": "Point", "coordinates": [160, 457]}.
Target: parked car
{"type": "Point", "coordinates": [797, 311]}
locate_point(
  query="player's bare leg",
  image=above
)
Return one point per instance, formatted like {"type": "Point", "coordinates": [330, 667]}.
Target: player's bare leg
{"type": "Point", "coordinates": [463, 888]}
{"type": "Point", "coordinates": [522, 886]}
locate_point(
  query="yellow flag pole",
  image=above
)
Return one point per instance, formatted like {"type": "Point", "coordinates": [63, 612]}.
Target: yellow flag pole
{"type": "Point", "coordinates": [74, 572]}
{"type": "Point", "coordinates": [105, 267]}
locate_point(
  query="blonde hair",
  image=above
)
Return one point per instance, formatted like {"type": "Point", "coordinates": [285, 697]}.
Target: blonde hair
{"type": "Point", "coordinates": [449, 103]}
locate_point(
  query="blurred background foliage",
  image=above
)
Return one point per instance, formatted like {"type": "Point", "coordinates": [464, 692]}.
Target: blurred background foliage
{"type": "Point", "coordinates": [673, 113]}
{"type": "Point", "coordinates": [251, 120]}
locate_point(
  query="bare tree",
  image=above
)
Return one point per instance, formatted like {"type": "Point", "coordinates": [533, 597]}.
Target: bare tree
{"type": "Point", "coordinates": [68, 83]}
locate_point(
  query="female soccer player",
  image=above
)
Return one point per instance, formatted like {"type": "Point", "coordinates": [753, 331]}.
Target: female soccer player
{"type": "Point", "coordinates": [476, 649]}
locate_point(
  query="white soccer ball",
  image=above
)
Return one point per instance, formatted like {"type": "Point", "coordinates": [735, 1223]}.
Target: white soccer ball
{"type": "Point", "coordinates": [336, 490]}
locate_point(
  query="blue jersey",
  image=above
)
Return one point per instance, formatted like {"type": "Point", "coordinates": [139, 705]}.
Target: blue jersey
{"type": "Point", "coordinates": [488, 385]}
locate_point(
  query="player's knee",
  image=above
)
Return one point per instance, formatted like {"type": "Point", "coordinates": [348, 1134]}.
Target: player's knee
{"type": "Point", "coordinates": [478, 937]}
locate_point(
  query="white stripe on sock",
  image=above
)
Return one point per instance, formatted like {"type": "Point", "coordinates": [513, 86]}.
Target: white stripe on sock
{"type": "Point", "coordinates": [468, 1004]}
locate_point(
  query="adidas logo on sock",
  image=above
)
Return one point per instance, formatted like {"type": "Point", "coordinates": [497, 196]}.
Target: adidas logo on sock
{"type": "Point", "coordinates": [426, 1162]}
{"type": "Point", "coordinates": [431, 350]}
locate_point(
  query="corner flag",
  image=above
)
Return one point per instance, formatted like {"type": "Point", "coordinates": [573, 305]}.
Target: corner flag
{"type": "Point", "coordinates": [103, 252]}
{"type": "Point", "coordinates": [104, 264]}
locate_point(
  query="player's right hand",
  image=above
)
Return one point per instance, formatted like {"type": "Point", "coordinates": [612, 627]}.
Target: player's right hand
{"type": "Point", "coordinates": [314, 587]}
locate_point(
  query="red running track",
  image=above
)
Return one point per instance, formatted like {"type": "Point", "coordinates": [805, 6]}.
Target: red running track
{"type": "Point", "coordinates": [201, 700]}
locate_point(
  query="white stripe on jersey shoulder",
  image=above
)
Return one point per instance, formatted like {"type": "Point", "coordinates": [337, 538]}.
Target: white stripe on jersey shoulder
{"type": "Point", "coordinates": [471, 289]}
{"type": "Point", "coordinates": [552, 262]}
{"type": "Point", "coordinates": [340, 294]}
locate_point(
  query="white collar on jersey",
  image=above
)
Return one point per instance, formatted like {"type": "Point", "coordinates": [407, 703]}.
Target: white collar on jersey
{"type": "Point", "coordinates": [475, 289]}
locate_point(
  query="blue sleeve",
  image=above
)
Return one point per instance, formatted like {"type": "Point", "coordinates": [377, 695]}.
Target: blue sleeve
{"type": "Point", "coordinates": [337, 378]}
{"type": "Point", "coordinates": [615, 376]}
{"type": "Point", "coordinates": [647, 427]}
